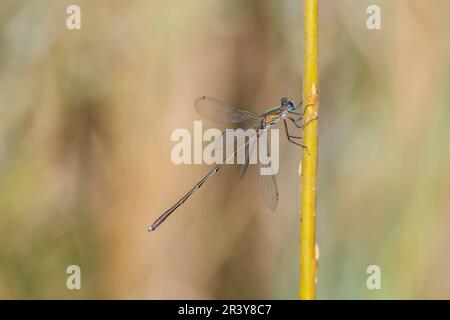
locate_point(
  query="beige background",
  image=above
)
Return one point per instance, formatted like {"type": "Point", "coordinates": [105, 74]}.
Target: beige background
{"type": "Point", "coordinates": [85, 124]}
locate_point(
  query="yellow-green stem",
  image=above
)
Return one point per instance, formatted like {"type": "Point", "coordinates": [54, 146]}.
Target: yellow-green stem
{"type": "Point", "coordinates": [308, 251]}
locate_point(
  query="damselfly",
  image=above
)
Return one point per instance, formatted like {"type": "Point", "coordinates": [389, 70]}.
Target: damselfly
{"type": "Point", "coordinates": [220, 112]}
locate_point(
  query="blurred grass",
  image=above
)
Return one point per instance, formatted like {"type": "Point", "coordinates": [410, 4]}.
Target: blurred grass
{"type": "Point", "coordinates": [85, 124]}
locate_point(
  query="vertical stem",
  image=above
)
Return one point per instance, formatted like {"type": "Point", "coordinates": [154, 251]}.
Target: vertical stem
{"type": "Point", "coordinates": [308, 260]}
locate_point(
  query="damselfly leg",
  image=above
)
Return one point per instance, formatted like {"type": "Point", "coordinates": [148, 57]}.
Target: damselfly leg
{"type": "Point", "coordinates": [289, 137]}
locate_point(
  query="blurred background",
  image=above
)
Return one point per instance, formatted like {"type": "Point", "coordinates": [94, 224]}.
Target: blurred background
{"type": "Point", "coordinates": [85, 123]}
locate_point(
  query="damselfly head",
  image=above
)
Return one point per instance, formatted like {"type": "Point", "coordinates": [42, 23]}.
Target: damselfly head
{"type": "Point", "coordinates": [288, 104]}
{"type": "Point", "coordinates": [291, 106]}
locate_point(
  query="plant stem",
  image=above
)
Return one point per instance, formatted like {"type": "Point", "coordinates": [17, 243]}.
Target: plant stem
{"type": "Point", "coordinates": [308, 258]}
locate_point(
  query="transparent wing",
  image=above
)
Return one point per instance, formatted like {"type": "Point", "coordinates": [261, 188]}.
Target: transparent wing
{"type": "Point", "coordinates": [229, 137]}
{"type": "Point", "coordinates": [221, 112]}
{"type": "Point", "coordinates": [248, 156]}
{"type": "Point", "coordinates": [224, 140]}
{"type": "Point", "coordinates": [268, 186]}
{"type": "Point", "coordinates": [267, 183]}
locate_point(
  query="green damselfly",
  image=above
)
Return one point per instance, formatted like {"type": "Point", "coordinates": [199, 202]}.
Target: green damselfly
{"type": "Point", "coordinates": [221, 112]}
